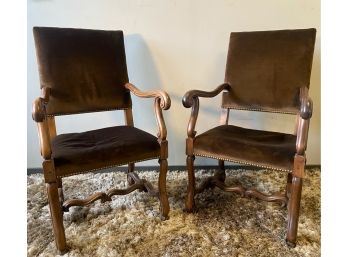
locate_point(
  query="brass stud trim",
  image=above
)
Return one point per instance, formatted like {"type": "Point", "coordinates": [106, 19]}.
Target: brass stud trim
{"type": "Point", "coordinates": [99, 110]}
{"type": "Point", "coordinates": [257, 109]}
{"type": "Point", "coordinates": [243, 162]}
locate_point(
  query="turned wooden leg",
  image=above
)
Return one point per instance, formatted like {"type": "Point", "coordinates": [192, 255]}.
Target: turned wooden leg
{"type": "Point", "coordinates": [163, 197]}
{"type": "Point", "coordinates": [190, 201]}
{"type": "Point", "coordinates": [220, 174]}
{"type": "Point", "coordinates": [56, 216]}
{"type": "Point", "coordinates": [60, 191]}
{"type": "Point", "coordinates": [130, 180]}
{"type": "Point", "coordinates": [294, 210]}
{"type": "Point", "coordinates": [288, 186]}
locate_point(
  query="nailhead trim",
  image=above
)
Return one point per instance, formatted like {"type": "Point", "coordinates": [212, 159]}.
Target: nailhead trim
{"type": "Point", "coordinates": [105, 167]}
{"type": "Point", "coordinates": [257, 109]}
{"type": "Point", "coordinates": [102, 110]}
{"type": "Point", "coordinates": [243, 162]}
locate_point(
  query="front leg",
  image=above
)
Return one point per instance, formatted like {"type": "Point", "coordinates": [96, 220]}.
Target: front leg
{"type": "Point", "coordinates": [163, 197]}
{"type": "Point", "coordinates": [294, 211]}
{"type": "Point", "coordinates": [190, 202]}
{"type": "Point", "coordinates": [56, 217]}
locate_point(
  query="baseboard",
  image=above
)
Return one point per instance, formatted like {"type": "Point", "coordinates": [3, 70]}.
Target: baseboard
{"type": "Point", "coordinates": [31, 171]}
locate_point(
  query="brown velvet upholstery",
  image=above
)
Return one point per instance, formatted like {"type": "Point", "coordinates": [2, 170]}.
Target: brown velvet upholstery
{"type": "Point", "coordinates": [247, 146]}
{"type": "Point", "coordinates": [85, 69]}
{"type": "Point", "coordinates": [266, 69]}
{"type": "Point", "coordinates": [83, 152]}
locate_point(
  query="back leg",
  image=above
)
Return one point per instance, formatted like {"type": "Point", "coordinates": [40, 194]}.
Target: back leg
{"type": "Point", "coordinates": [220, 174]}
{"type": "Point", "coordinates": [60, 190]}
{"type": "Point", "coordinates": [129, 178]}
{"type": "Point", "coordinates": [288, 186]}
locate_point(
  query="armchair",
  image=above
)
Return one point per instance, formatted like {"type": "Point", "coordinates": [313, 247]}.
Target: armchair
{"type": "Point", "coordinates": [85, 71]}
{"type": "Point", "coordinates": [266, 71]}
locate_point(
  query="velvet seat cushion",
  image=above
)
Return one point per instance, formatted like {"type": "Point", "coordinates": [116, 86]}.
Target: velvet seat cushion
{"type": "Point", "coordinates": [87, 151]}
{"type": "Point", "coordinates": [247, 146]}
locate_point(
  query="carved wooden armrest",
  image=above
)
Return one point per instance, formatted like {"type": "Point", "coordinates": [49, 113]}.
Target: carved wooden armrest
{"type": "Point", "coordinates": [191, 99]}
{"type": "Point", "coordinates": [39, 112]}
{"type": "Point", "coordinates": [306, 104]}
{"type": "Point", "coordinates": [39, 115]}
{"type": "Point", "coordinates": [162, 101]}
{"type": "Point", "coordinates": [305, 114]}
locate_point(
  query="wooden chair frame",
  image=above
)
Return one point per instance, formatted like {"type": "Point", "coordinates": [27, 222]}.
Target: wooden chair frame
{"type": "Point", "coordinates": [292, 196]}
{"type": "Point", "coordinates": [47, 131]}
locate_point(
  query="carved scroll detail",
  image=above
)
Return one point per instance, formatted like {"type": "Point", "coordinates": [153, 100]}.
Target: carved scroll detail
{"type": "Point", "coordinates": [140, 184]}
{"type": "Point", "coordinates": [237, 189]}
{"type": "Point", "coordinates": [215, 181]}
{"type": "Point", "coordinates": [277, 197]}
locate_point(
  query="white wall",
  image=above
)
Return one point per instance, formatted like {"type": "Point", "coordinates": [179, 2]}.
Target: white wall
{"type": "Point", "coordinates": [175, 45]}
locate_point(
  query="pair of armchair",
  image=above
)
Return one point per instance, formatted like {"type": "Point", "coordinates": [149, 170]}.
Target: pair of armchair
{"type": "Point", "coordinates": [85, 71]}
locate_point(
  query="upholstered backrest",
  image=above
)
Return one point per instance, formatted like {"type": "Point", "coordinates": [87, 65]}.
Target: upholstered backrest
{"type": "Point", "coordinates": [266, 69]}
{"type": "Point", "coordinates": [85, 69]}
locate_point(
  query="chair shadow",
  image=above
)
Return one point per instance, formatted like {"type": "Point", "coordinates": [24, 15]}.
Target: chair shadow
{"type": "Point", "coordinates": [143, 74]}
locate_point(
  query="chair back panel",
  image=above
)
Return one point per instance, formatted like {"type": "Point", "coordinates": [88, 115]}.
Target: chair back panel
{"type": "Point", "coordinates": [85, 69]}
{"type": "Point", "coordinates": [266, 69]}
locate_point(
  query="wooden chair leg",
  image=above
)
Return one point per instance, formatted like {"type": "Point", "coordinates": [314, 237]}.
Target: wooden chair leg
{"type": "Point", "coordinates": [190, 201]}
{"type": "Point", "coordinates": [60, 191]}
{"type": "Point", "coordinates": [56, 216]}
{"type": "Point", "coordinates": [221, 174]}
{"type": "Point", "coordinates": [288, 186]}
{"type": "Point", "coordinates": [294, 211]}
{"type": "Point", "coordinates": [163, 197]}
{"type": "Point", "coordinates": [130, 180]}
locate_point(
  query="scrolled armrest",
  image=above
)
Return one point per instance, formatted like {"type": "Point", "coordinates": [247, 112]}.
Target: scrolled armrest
{"type": "Point", "coordinates": [306, 109]}
{"type": "Point", "coordinates": [188, 99]}
{"type": "Point", "coordinates": [39, 115]}
{"type": "Point", "coordinates": [305, 114]}
{"type": "Point", "coordinates": [191, 99]}
{"type": "Point", "coordinates": [38, 111]}
{"type": "Point", "coordinates": [165, 101]}
{"type": "Point", "coordinates": [162, 102]}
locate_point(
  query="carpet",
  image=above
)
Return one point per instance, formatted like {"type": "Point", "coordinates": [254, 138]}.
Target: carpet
{"type": "Point", "coordinates": [225, 225]}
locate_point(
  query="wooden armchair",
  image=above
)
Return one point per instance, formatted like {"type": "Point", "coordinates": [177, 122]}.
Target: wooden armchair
{"type": "Point", "coordinates": [85, 71]}
{"type": "Point", "coordinates": [266, 71]}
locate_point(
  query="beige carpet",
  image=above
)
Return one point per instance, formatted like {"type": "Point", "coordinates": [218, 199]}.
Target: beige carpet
{"type": "Point", "coordinates": [225, 225]}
